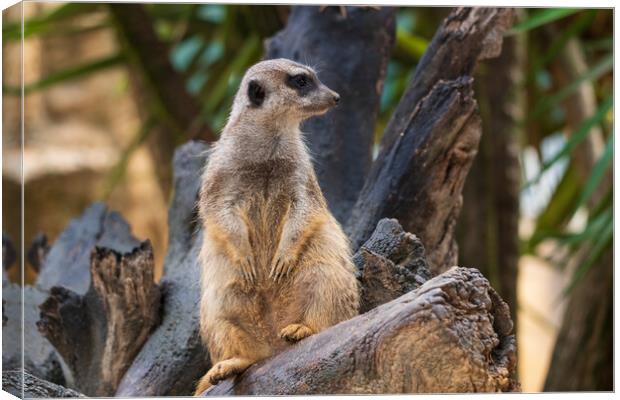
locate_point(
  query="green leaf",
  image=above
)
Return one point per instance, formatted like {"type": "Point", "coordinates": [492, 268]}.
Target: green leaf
{"type": "Point", "coordinates": [66, 75]}
{"type": "Point", "coordinates": [244, 57]}
{"type": "Point", "coordinates": [579, 25]}
{"type": "Point", "coordinates": [540, 18]}
{"type": "Point", "coordinates": [414, 46]}
{"type": "Point", "coordinates": [581, 133]}
{"type": "Point", "coordinates": [598, 172]}
{"type": "Point", "coordinates": [546, 103]}
{"type": "Point", "coordinates": [601, 244]}
{"type": "Point", "coordinates": [557, 211]}
{"type": "Point", "coordinates": [48, 23]}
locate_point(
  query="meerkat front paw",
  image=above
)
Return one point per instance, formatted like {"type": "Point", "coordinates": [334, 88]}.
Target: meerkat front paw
{"type": "Point", "coordinates": [295, 332]}
{"type": "Point", "coordinates": [281, 267]}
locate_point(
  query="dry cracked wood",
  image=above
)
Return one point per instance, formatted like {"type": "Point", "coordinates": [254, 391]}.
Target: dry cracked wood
{"type": "Point", "coordinates": [39, 356]}
{"type": "Point", "coordinates": [432, 138]}
{"type": "Point", "coordinates": [25, 385]}
{"type": "Point", "coordinates": [472, 33]}
{"type": "Point", "coordinates": [173, 357]}
{"type": "Point", "coordinates": [391, 263]}
{"type": "Point", "coordinates": [419, 179]}
{"type": "Point", "coordinates": [452, 334]}
{"type": "Point", "coordinates": [67, 263]}
{"type": "Point", "coordinates": [99, 333]}
{"type": "Point", "coordinates": [351, 59]}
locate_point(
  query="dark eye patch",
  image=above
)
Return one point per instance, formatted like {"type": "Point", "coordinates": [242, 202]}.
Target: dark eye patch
{"type": "Point", "coordinates": [302, 83]}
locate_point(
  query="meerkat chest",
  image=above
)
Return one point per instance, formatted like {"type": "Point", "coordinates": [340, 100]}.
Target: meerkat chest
{"type": "Point", "coordinates": [267, 180]}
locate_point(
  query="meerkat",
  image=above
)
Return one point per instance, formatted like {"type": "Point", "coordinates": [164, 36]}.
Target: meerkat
{"type": "Point", "coordinates": [276, 265]}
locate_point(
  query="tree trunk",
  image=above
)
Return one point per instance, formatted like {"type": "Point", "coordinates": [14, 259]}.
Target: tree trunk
{"type": "Point", "coordinates": [432, 138]}
{"type": "Point", "coordinates": [487, 231]}
{"type": "Point", "coordinates": [99, 333]}
{"type": "Point", "coordinates": [352, 60]}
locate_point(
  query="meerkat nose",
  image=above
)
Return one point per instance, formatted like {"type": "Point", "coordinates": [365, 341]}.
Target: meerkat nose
{"type": "Point", "coordinates": [336, 98]}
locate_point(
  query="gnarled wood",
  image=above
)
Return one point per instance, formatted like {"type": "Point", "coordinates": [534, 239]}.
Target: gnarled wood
{"type": "Point", "coordinates": [419, 179]}
{"type": "Point", "coordinates": [472, 33]}
{"type": "Point", "coordinates": [452, 334]}
{"type": "Point", "coordinates": [432, 138]}
{"type": "Point", "coordinates": [99, 333]}
{"type": "Point", "coordinates": [351, 59]}
{"type": "Point", "coordinates": [25, 385]}
{"type": "Point", "coordinates": [67, 263]}
{"type": "Point", "coordinates": [39, 356]}
{"type": "Point", "coordinates": [391, 263]}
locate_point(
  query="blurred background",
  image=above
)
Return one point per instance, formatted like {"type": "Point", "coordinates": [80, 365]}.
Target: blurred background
{"type": "Point", "coordinates": [110, 93]}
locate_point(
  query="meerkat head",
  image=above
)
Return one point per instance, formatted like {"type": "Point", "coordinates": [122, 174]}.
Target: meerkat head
{"type": "Point", "coordinates": [283, 90]}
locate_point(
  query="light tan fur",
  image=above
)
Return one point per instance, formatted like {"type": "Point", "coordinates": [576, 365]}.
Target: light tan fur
{"type": "Point", "coordinates": [276, 265]}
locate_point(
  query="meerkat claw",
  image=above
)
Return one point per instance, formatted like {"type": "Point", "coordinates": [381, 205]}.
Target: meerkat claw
{"type": "Point", "coordinates": [248, 272]}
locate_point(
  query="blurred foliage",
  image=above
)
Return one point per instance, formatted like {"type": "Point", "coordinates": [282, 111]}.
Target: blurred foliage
{"type": "Point", "coordinates": [212, 45]}
{"type": "Point", "coordinates": [546, 120]}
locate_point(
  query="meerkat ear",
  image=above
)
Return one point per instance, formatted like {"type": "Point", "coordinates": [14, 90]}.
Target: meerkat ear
{"type": "Point", "coordinates": [256, 93]}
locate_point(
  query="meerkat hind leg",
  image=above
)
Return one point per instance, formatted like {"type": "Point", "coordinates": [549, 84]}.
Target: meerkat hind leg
{"type": "Point", "coordinates": [224, 370]}
{"type": "Point", "coordinates": [203, 384]}
{"type": "Point", "coordinates": [295, 332]}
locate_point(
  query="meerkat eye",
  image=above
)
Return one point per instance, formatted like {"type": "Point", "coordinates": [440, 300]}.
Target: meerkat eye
{"type": "Point", "coordinates": [302, 83]}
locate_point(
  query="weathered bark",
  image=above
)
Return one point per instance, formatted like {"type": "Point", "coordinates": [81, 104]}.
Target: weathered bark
{"type": "Point", "coordinates": [24, 385]}
{"type": "Point", "coordinates": [351, 59]}
{"type": "Point", "coordinates": [67, 264]}
{"type": "Point", "coordinates": [173, 358]}
{"type": "Point", "coordinates": [391, 263]}
{"type": "Point", "coordinates": [432, 139]}
{"type": "Point", "coordinates": [99, 333]}
{"type": "Point", "coordinates": [452, 334]}
{"type": "Point", "coordinates": [39, 356]}
{"type": "Point", "coordinates": [472, 33]}
{"type": "Point", "coordinates": [419, 179]}
{"type": "Point", "coordinates": [487, 230]}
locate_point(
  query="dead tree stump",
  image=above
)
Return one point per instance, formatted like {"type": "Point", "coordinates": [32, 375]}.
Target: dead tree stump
{"type": "Point", "coordinates": [99, 333]}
